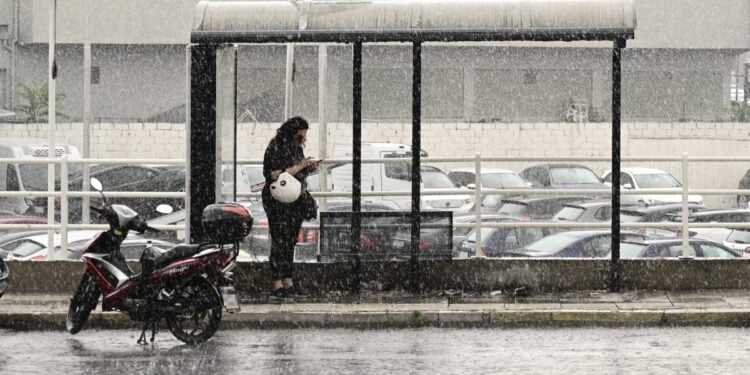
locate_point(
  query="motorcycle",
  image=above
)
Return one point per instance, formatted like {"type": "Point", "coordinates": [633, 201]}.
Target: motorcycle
{"type": "Point", "coordinates": [188, 285]}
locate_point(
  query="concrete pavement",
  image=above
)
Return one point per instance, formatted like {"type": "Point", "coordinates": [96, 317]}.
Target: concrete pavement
{"type": "Point", "coordinates": [449, 309]}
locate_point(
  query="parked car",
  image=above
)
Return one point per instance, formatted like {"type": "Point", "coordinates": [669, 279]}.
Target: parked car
{"type": "Point", "coordinates": [459, 234]}
{"type": "Point", "coordinates": [435, 241]}
{"type": "Point", "coordinates": [645, 179]}
{"type": "Point", "coordinates": [496, 241]}
{"type": "Point", "coordinates": [654, 214]}
{"type": "Point", "coordinates": [739, 240]}
{"type": "Point", "coordinates": [4, 274]}
{"type": "Point", "coordinates": [491, 178]}
{"type": "Point", "coordinates": [537, 207]}
{"type": "Point", "coordinates": [672, 248]}
{"type": "Point", "coordinates": [12, 236]}
{"type": "Point", "coordinates": [20, 219]}
{"type": "Point", "coordinates": [249, 180]}
{"type": "Point", "coordinates": [562, 176]}
{"type": "Point", "coordinates": [743, 200]}
{"type": "Point", "coordinates": [714, 215]}
{"type": "Point", "coordinates": [114, 177]}
{"type": "Point", "coordinates": [717, 234]}
{"type": "Point", "coordinates": [573, 244]}
{"type": "Point", "coordinates": [34, 247]}
{"type": "Point", "coordinates": [590, 211]}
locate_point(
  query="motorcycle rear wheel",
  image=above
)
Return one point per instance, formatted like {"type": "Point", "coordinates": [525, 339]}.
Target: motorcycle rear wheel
{"type": "Point", "coordinates": [83, 302]}
{"type": "Point", "coordinates": [202, 315]}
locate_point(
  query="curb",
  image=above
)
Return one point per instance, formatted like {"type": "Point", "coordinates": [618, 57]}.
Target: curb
{"type": "Point", "coordinates": [409, 319]}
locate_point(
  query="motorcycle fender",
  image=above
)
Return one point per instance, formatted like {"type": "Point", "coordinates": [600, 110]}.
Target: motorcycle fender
{"type": "Point", "coordinates": [178, 269]}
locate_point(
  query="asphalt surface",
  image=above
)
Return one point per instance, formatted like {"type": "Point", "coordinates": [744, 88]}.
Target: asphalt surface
{"type": "Point", "coordinates": [597, 350]}
{"type": "Point", "coordinates": [401, 310]}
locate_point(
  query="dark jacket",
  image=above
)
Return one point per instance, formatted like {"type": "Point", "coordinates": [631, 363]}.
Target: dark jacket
{"type": "Point", "coordinates": [280, 156]}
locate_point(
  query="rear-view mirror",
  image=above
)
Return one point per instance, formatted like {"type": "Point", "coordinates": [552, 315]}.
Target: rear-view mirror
{"type": "Point", "coordinates": [164, 209]}
{"type": "Point", "coordinates": [96, 184]}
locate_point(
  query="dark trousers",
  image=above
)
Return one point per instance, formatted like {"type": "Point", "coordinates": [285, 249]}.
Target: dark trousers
{"type": "Point", "coordinates": [284, 234]}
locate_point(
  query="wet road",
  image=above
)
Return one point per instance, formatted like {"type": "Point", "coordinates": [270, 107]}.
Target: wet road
{"type": "Point", "coordinates": [429, 351]}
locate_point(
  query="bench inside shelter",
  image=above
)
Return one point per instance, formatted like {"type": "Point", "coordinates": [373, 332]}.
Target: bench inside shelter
{"type": "Point", "coordinates": [385, 235]}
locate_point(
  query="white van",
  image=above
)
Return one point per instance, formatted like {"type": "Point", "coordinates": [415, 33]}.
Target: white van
{"type": "Point", "coordinates": [396, 177]}
{"type": "Point", "coordinates": [28, 176]}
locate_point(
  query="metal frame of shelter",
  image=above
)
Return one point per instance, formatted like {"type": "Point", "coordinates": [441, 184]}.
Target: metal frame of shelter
{"type": "Point", "coordinates": [218, 23]}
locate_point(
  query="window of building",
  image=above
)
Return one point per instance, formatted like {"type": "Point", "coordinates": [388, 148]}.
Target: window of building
{"type": "Point", "coordinates": [95, 75]}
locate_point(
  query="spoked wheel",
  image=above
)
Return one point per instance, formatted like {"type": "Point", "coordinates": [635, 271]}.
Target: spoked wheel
{"type": "Point", "coordinates": [201, 315]}
{"type": "Point", "coordinates": [83, 302]}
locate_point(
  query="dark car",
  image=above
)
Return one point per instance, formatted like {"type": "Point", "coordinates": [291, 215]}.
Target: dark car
{"type": "Point", "coordinates": [653, 214]}
{"type": "Point", "coordinates": [573, 244]}
{"type": "Point", "coordinates": [115, 177]}
{"type": "Point", "coordinates": [4, 274]}
{"type": "Point", "coordinates": [672, 248]}
{"type": "Point", "coordinates": [496, 241]}
{"type": "Point", "coordinates": [536, 208]}
{"type": "Point", "coordinates": [743, 200]}
{"type": "Point", "coordinates": [719, 216]}
{"type": "Point", "coordinates": [562, 176]}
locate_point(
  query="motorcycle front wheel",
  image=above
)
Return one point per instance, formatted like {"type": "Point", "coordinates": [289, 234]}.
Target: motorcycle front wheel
{"type": "Point", "coordinates": [201, 315]}
{"type": "Point", "coordinates": [83, 302]}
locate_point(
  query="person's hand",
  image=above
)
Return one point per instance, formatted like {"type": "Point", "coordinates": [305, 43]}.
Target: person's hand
{"type": "Point", "coordinates": [315, 165]}
{"type": "Point", "coordinates": [275, 175]}
{"type": "Point", "coordinates": [308, 162]}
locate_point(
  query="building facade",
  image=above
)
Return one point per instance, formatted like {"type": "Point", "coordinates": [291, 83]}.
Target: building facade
{"type": "Point", "coordinates": [678, 68]}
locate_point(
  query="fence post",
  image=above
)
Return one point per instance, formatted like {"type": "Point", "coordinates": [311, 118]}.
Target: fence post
{"type": "Point", "coordinates": [685, 229]}
{"type": "Point", "coordinates": [64, 205]}
{"type": "Point", "coordinates": [478, 202]}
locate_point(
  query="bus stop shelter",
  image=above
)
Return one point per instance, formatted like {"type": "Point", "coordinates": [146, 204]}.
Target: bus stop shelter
{"type": "Point", "coordinates": [221, 23]}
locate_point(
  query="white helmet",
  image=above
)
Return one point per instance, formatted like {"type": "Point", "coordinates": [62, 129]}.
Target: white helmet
{"type": "Point", "coordinates": [286, 189]}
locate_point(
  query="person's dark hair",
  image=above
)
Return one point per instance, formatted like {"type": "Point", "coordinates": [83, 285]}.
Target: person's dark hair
{"type": "Point", "coordinates": [286, 132]}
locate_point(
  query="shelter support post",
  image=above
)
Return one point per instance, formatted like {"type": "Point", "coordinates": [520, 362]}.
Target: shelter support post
{"type": "Point", "coordinates": [357, 165]}
{"type": "Point", "coordinates": [416, 146]}
{"type": "Point", "coordinates": [615, 276]}
{"type": "Point", "coordinates": [201, 151]}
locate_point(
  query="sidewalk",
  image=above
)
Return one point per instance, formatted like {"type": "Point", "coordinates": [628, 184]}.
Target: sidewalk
{"type": "Point", "coordinates": [397, 310]}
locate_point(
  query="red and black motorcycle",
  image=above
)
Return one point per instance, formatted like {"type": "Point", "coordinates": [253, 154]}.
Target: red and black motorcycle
{"type": "Point", "coordinates": [185, 285]}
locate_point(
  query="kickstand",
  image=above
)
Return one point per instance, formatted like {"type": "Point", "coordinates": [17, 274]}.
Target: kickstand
{"type": "Point", "coordinates": [154, 328]}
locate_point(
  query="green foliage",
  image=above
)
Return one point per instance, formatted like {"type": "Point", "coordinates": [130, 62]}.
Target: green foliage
{"type": "Point", "coordinates": [37, 102]}
{"type": "Point", "coordinates": [740, 112]}
{"type": "Point", "coordinates": [419, 319]}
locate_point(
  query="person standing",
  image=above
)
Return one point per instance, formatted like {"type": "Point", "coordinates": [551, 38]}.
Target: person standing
{"type": "Point", "coordinates": [285, 154]}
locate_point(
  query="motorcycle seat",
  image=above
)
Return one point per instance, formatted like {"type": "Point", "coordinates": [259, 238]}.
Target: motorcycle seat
{"type": "Point", "coordinates": [177, 252]}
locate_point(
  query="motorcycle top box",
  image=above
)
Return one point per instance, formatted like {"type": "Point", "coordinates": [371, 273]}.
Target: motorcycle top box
{"type": "Point", "coordinates": [227, 222]}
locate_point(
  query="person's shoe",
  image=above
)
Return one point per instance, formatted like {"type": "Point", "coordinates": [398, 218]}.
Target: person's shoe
{"type": "Point", "coordinates": [296, 291]}
{"type": "Point", "coordinates": [279, 294]}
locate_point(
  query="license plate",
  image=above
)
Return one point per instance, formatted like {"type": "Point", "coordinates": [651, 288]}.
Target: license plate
{"type": "Point", "coordinates": [230, 299]}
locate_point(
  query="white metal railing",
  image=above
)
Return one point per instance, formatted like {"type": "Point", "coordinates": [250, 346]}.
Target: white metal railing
{"type": "Point", "coordinates": [478, 160]}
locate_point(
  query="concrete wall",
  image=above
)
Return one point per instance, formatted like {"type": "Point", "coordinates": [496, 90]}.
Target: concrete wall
{"type": "Point", "coordinates": [539, 276]}
{"type": "Point", "coordinates": [163, 140]}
